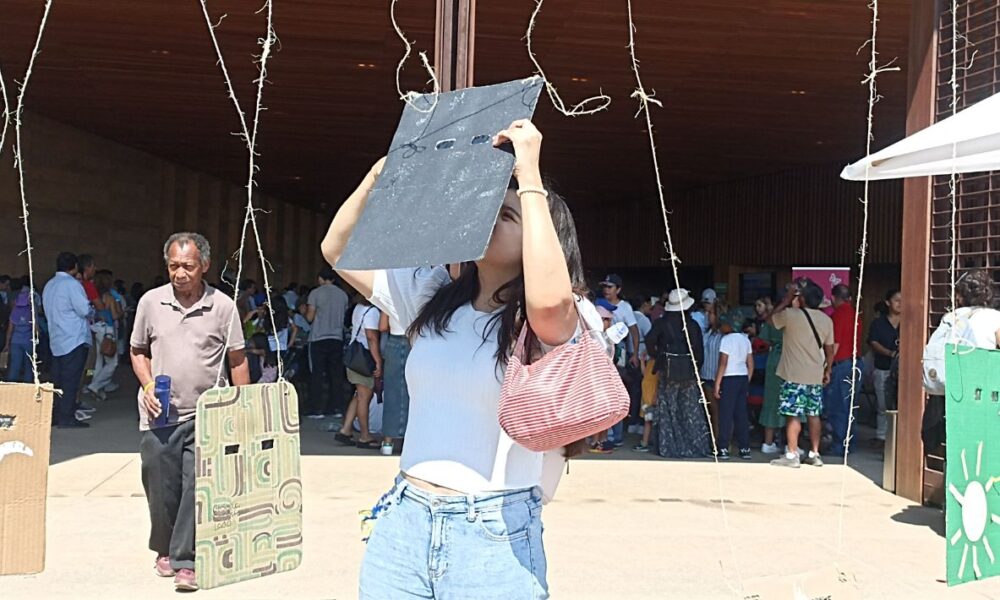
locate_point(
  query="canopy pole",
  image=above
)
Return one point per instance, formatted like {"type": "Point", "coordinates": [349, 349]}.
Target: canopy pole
{"type": "Point", "coordinates": [454, 43]}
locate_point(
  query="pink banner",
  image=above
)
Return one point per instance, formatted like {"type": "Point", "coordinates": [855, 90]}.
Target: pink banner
{"type": "Point", "coordinates": [826, 278]}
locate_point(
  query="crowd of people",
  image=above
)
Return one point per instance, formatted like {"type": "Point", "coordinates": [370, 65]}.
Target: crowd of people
{"type": "Point", "coordinates": [764, 374]}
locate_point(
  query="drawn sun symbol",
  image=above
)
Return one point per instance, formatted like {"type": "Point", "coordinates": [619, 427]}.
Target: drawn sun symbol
{"type": "Point", "coordinates": [975, 515]}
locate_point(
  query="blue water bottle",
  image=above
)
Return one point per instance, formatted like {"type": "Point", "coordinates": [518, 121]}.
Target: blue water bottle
{"type": "Point", "coordinates": [161, 389]}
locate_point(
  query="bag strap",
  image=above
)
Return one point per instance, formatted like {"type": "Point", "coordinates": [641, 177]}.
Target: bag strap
{"type": "Point", "coordinates": [523, 336]}
{"type": "Point", "coordinates": [355, 338]}
{"type": "Point", "coordinates": [813, 327]}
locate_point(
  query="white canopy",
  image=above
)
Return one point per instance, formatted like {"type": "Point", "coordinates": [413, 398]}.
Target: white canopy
{"type": "Point", "coordinates": [963, 143]}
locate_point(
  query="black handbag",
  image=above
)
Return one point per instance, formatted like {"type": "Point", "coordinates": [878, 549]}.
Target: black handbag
{"type": "Point", "coordinates": [358, 358]}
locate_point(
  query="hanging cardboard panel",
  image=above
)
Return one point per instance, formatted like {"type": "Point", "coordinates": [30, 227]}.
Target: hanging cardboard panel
{"type": "Point", "coordinates": [248, 486]}
{"type": "Point", "coordinates": [443, 182]}
{"type": "Point", "coordinates": [25, 429]}
{"type": "Point", "coordinates": [972, 476]}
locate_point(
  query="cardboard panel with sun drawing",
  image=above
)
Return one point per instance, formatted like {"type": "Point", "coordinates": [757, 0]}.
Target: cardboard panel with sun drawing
{"type": "Point", "coordinates": [443, 182]}
{"type": "Point", "coordinates": [248, 487]}
{"type": "Point", "coordinates": [972, 500]}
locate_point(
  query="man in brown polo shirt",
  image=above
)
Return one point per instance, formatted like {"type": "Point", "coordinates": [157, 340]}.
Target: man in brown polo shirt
{"type": "Point", "coordinates": [180, 331]}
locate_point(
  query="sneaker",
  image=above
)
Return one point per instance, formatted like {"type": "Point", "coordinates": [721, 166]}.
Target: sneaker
{"type": "Point", "coordinates": [724, 454]}
{"type": "Point", "coordinates": [87, 408]}
{"type": "Point", "coordinates": [640, 448]}
{"type": "Point", "coordinates": [745, 454]}
{"type": "Point", "coordinates": [386, 449]}
{"type": "Point", "coordinates": [82, 415]}
{"type": "Point", "coordinates": [769, 449]}
{"type": "Point", "coordinates": [813, 459]}
{"type": "Point", "coordinates": [337, 415]}
{"type": "Point", "coordinates": [315, 417]}
{"type": "Point", "coordinates": [602, 448]}
{"type": "Point", "coordinates": [163, 568]}
{"type": "Point", "coordinates": [787, 460]}
{"type": "Point", "coordinates": [111, 388]}
{"type": "Point", "coordinates": [186, 581]}
{"type": "Point", "coordinates": [618, 443]}
{"type": "Point", "coordinates": [802, 453]}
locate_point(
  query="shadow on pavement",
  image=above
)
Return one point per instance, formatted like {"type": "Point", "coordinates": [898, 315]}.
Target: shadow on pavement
{"type": "Point", "coordinates": [932, 518]}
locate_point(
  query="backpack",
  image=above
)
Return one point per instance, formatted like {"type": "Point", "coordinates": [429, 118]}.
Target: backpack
{"type": "Point", "coordinates": [954, 329]}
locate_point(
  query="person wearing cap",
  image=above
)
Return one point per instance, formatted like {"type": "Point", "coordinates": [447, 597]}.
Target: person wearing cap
{"type": "Point", "coordinates": [681, 426]}
{"type": "Point", "coordinates": [631, 372]}
{"type": "Point", "coordinates": [703, 316]}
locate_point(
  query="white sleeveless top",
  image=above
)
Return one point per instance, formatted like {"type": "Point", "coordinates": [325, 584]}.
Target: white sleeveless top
{"type": "Point", "coordinates": [453, 437]}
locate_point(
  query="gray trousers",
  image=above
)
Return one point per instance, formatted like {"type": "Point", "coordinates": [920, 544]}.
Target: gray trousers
{"type": "Point", "coordinates": [168, 478]}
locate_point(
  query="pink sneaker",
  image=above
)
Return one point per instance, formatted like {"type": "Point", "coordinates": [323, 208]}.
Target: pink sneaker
{"type": "Point", "coordinates": [185, 580]}
{"type": "Point", "coordinates": [162, 567]}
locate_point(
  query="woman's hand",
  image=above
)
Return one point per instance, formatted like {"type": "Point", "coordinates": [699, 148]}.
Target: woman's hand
{"type": "Point", "coordinates": [378, 369]}
{"type": "Point", "coordinates": [527, 142]}
{"type": "Point", "coordinates": [377, 168]}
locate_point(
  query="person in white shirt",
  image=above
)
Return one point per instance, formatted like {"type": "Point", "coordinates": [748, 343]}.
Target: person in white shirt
{"type": "Point", "coordinates": [732, 388]}
{"type": "Point", "coordinates": [364, 330]}
{"type": "Point", "coordinates": [465, 513]}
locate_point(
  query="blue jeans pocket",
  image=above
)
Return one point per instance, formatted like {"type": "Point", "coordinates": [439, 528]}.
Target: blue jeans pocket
{"type": "Point", "coordinates": [509, 523]}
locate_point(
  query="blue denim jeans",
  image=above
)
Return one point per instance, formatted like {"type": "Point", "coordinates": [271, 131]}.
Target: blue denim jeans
{"type": "Point", "coordinates": [19, 368]}
{"type": "Point", "coordinates": [395, 396]}
{"type": "Point", "coordinates": [487, 547]}
{"type": "Point", "coordinates": [837, 403]}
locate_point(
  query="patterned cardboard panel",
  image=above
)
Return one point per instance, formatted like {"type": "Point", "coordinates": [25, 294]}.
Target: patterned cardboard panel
{"type": "Point", "coordinates": [25, 419]}
{"type": "Point", "coordinates": [973, 471]}
{"type": "Point", "coordinates": [248, 488]}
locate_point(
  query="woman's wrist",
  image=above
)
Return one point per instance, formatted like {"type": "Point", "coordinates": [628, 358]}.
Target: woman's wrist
{"type": "Point", "coordinates": [530, 178]}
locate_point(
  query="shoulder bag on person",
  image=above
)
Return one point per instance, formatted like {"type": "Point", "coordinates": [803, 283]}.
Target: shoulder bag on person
{"type": "Point", "coordinates": [358, 358]}
{"type": "Point", "coordinates": [812, 326]}
{"type": "Point", "coordinates": [572, 392]}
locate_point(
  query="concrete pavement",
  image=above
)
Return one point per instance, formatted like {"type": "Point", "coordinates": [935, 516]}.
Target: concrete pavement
{"type": "Point", "coordinates": [622, 526]}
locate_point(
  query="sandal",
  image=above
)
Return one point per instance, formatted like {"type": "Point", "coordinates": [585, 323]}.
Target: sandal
{"type": "Point", "coordinates": [344, 439]}
{"type": "Point", "coordinates": [370, 445]}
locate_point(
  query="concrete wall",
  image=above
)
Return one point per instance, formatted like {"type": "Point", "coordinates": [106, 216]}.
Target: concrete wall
{"type": "Point", "coordinates": [89, 195]}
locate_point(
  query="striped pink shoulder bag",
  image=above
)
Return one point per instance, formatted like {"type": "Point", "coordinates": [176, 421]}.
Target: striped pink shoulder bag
{"type": "Point", "coordinates": [572, 392]}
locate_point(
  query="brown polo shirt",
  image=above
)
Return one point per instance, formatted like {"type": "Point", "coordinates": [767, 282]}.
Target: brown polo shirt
{"type": "Point", "coordinates": [187, 345]}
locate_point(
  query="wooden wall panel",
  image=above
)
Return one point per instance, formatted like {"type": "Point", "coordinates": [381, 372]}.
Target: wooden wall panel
{"type": "Point", "coordinates": [806, 216]}
{"type": "Point", "coordinates": [89, 195]}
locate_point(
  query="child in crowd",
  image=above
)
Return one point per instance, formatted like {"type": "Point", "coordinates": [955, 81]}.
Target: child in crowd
{"type": "Point", "coordinates": [599, 443]}
{"type": "Point", "coordinates": [732, 381]}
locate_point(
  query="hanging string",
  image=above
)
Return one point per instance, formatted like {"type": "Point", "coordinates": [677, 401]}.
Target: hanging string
{"type": "Point", "coordinates": [645, 99]}
{"type": "Point", "coordinates": [409, 97]}
{"type": "Point", "coordinates": [249, 135]}
{"type": "Point", "coordinates": [6, 112]}
{"type": "Point", "coordinates": [873, 98]}
{"type": "Point", "coordinates": [602, 100]}
{"type": "Point", "coordinates": [19, 163]}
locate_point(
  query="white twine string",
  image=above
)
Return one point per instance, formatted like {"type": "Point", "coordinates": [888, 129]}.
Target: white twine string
{"type": "Point", "coordinates": [6, 112]}
{"type": "Point", "coordinates": [249, 135]}
{"type": "Point", "coordinates": [409, 97]}
{"type": "Point", "coordinates": [19, 163]}
{"type": "Point", "coordinates": [645, 99]}
{"type": "Point", "coordinates": [578, 109]}
{"type": "Point", "coordinates": [873, 98]}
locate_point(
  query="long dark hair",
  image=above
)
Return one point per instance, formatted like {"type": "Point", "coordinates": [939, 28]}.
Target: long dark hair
{"type": "Point", "coordinates": [436, 314]}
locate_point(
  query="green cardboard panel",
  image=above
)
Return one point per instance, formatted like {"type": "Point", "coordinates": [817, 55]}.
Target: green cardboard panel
{"type": "Point", "coordinates": [248, 485]}
{"type": "Point", "coordinates": [972, 475]}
